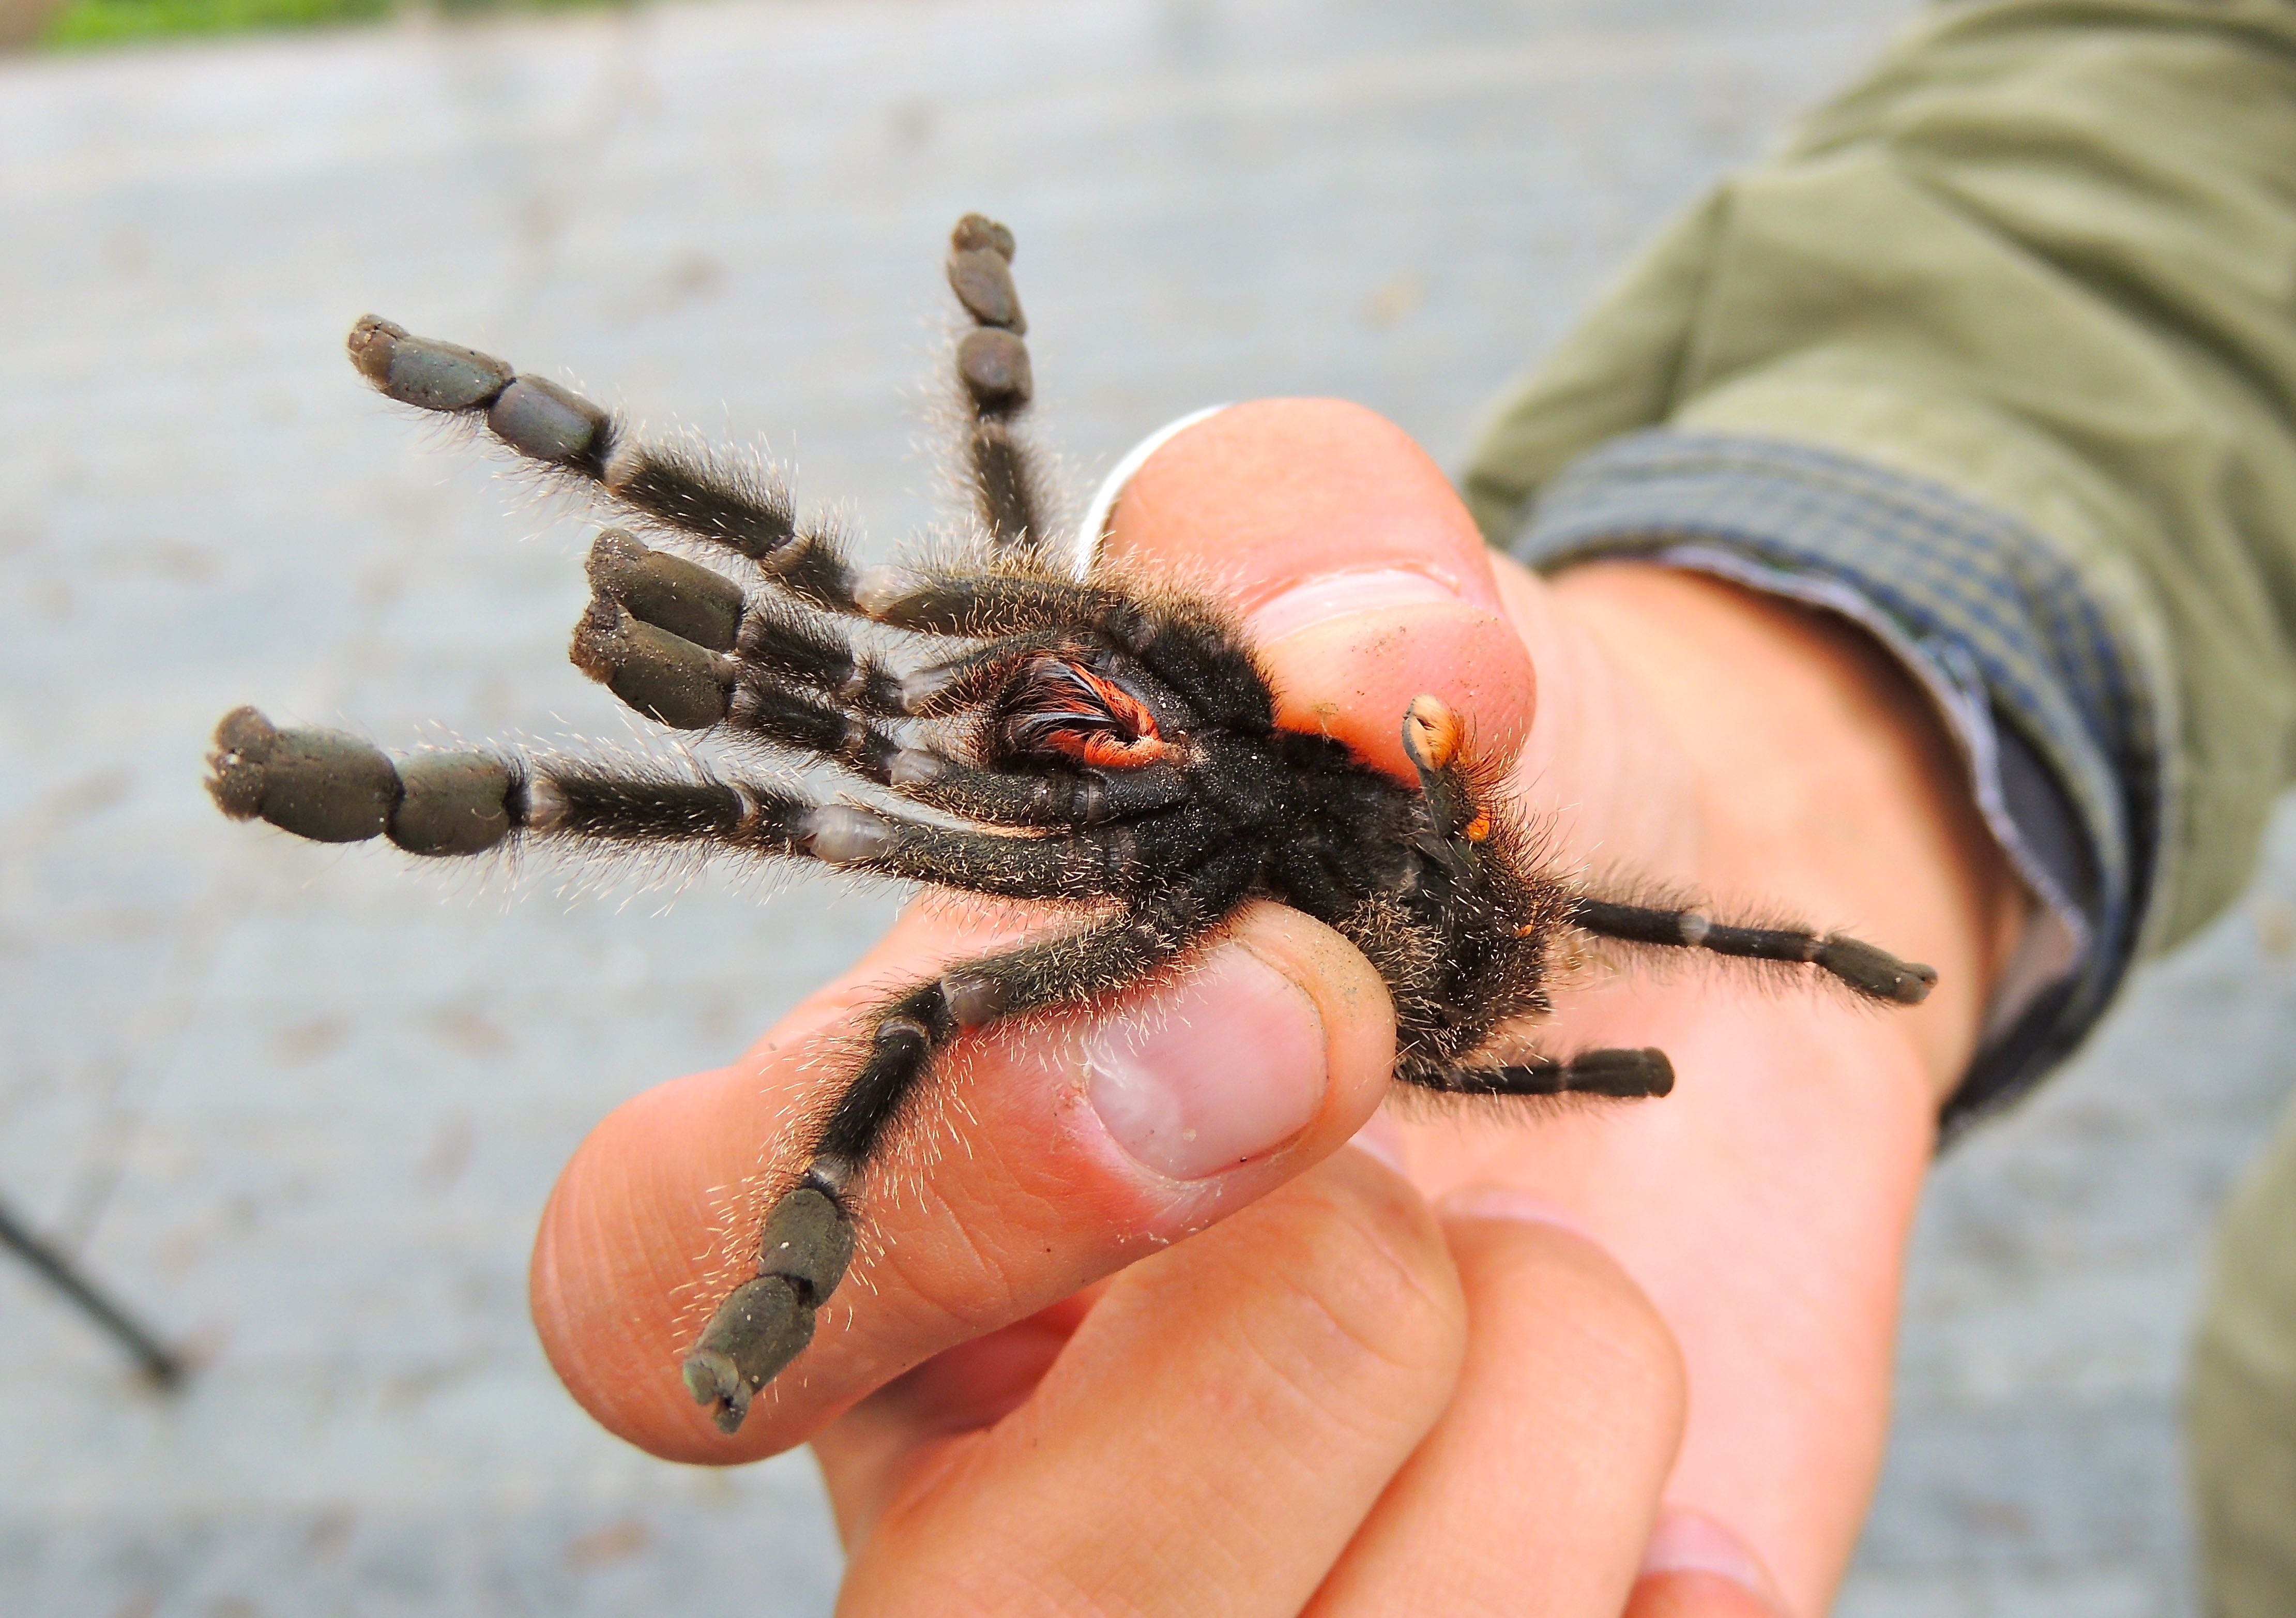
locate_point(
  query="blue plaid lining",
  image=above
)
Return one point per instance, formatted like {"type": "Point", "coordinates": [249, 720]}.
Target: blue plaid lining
{"type": "Point", "coordinates": [2049, 704]}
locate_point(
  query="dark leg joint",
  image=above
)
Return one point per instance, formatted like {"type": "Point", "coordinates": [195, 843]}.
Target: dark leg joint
{"type": "Point", "coordinates": [755, 1332]}
{"type": "Point", "coordinates": [975, 998]}
{"type": "Point", "coordinates": [423, 372]}
{"type": "Point", "coordinates": [1000, 477]}
{"type": "Point", "coordinates": [789, 718]}
{"type": "Point", "coordinates": [995, 366]}
{"type": "Point", "coordinates": [691, 602]}
{"type": "Point", "coordinates": [1627, 1074]}
{"type": "Point", "coordinates": [983, 279]}
{"type": "Point", "coordinates": [977, 232]}
{"type": "Point", "coordinates": [659, 674]}
{"type": "Point", "coordinates": [1640, 924]}
{"type": "Point", "coordinates": [777, 640]}
{"type": "Point", "coordinates": [840, 834]}
{"type": "Point", "coordinates": [547, 422]}
{"type": "Point", "coordinates": [903, 1034]}
{"type": "Point", "coordinates": [331, 786]}
{"type": "Point", "coordinates": [327, 786]}
{"type": "Point", "coordinates": [1875, 972]}
{"type": "Point", "coordinates": [766, 1324]}
{"type": "Point", "coordinates": [452, 803]}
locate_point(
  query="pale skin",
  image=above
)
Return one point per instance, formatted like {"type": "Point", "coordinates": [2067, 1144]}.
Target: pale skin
{"type": "Point", "coordinates": [1630, 1361]}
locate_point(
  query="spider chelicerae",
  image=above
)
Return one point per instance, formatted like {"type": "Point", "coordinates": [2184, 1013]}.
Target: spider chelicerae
{"type": "Point", "coordinates": [1104, 743]}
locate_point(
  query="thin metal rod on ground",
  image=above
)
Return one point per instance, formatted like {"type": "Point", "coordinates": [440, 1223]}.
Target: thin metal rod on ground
{"type": "Point", "coordinates": [160, 1362]}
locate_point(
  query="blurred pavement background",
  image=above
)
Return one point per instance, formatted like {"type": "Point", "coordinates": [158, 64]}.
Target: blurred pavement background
{"type": "Point", "coordinates": [307, 1104]}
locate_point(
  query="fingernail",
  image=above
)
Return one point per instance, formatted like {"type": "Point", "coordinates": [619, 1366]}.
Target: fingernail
{"type": "Point", "coordinates": [1507, 1203]}
{"type": "Point", "coordinates": [1381, 1140]}
{"type": "Point", "coordinates": [1227, 1066]}
{"type": "Point", "coordinates": [1686, 1541]}
{"type": "Point", "coordinates": [1337, 595]}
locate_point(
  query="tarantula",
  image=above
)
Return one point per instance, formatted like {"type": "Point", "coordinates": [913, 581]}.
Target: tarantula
{"type": "Point", "coordinates": [1094, 740]}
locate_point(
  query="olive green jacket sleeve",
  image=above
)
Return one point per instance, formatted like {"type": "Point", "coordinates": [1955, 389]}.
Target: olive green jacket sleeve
{"type": "Point", "coordinates": [1998, 354]}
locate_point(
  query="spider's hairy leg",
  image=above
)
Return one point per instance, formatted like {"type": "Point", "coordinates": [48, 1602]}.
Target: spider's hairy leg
{"type": "Point", "coordinates": [992, 365]}
{"type": "Point", "coordinates": [700, 495]}
{"type": "Point", "coordinates": [332, 786]}
{"type": "Point", "coordinates": [681, 643]}
{"type": "Point", "coordinates": [1093, 863]}
{"type": "Point", "coordinates": [687, 686]}
{"type": "Point", "coordinates": [1620, 1074]}
{"type": "Point", "coordinates": [1044, 796]}
{"type": "Point", "coordinates": [766, 635]}
{"type": "Point", "coordinates": [690, 601]}
{"type": "Point", "coordinates": [1874, 974]}
{"type": "Point", "coordinates": [765, 1323]}
{"type": "Point", "coordinates": [688, 491]}
{"type": "Point", "coordinates": [1185, 642]}
{"type": "Point", "coordinates": [975, 676]}
{"type": "Point", "coordinates": [1432, 735]}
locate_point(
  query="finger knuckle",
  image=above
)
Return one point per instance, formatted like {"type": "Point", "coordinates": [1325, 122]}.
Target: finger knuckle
{"type": "Point", "coordinates": [1366, 1306]}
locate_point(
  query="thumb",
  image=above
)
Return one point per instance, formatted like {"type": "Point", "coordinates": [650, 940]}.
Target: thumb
{"type": "Point", "coordinates": [1361, 576]}
{"type": "Point", "coordinates": [1047, 1154]}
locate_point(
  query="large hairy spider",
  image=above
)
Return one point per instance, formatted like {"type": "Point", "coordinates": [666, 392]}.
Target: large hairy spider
{"type": "Point", "coordinates": [1096, 741]}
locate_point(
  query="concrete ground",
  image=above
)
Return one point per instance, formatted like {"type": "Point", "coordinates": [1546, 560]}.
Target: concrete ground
{"type": "Point", "coordinates": [306, 1104]}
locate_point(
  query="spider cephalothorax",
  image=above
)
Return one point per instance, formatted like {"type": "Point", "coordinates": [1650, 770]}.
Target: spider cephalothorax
{"type": "Point", "coordinates": [1102, 742]}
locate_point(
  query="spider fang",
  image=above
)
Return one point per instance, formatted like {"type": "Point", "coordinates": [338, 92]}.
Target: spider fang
{"type": "Point", "coordinates": [1062, 709]}
{"type": "Point", "coordinates": [1432, 733]}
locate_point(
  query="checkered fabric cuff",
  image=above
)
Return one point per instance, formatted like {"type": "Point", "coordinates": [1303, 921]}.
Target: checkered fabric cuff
{"type": "Point", "coordinates": [2044, 698]}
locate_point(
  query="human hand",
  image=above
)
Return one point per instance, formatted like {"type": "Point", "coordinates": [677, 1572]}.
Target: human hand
{"type": "Point", "coordinates": [1338, 1401]}
{"type": "Point", "coordinates": [1676, 731]}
